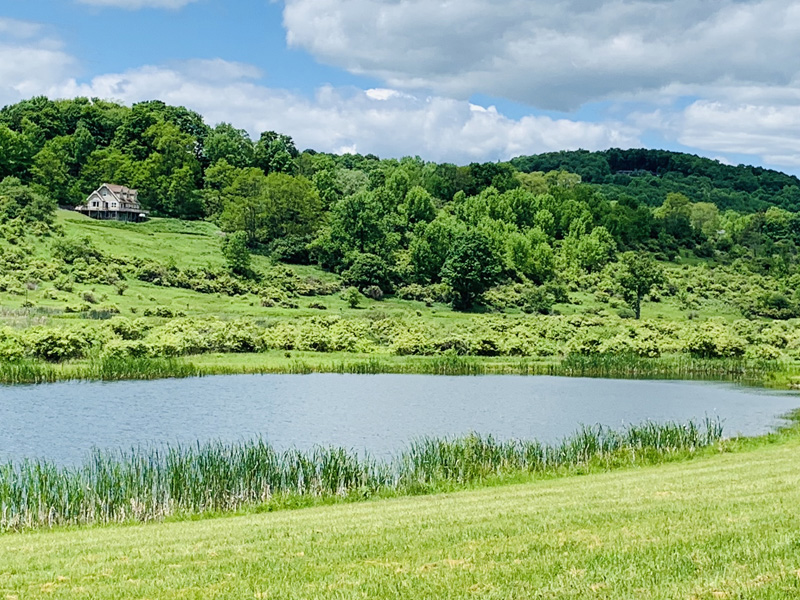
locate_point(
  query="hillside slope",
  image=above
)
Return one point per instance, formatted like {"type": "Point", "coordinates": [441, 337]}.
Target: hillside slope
{"type": "Point", "coordinates": [649, 175]}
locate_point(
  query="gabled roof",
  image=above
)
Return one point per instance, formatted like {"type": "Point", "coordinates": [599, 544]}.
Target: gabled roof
{"type": "Point", "coordinates": [116, 189]}
{"type": "Point", "coordinates": [119, 190]}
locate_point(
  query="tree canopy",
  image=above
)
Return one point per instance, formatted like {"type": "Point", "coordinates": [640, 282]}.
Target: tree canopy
{"type": "Point", "coordinates": [535, 221]}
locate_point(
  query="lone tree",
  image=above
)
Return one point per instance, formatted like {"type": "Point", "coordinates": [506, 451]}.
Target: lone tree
{"type": "Point", "coordinates": [236, 253]}
{"type": "Point", "coordinates": [471, 268]}
{"type": "Point", "coordinates": [638, 276]}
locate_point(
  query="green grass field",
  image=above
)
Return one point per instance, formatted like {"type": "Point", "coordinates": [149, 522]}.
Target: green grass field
{"type": "Point", "coordinates": [187, 244]}
{"type": "Point", "coordinates": [724, 526]}
{"type": "Point", "coordinates": [193, 244]}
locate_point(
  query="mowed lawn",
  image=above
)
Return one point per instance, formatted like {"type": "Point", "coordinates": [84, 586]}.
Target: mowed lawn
{"type": "Point", "coordinates": [721, 527]}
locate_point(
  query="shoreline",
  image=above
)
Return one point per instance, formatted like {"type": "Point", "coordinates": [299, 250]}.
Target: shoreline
{"type": "Point", "coordinates": [334, 476]}
{"type": "Point", "coordinates": [760, 373]}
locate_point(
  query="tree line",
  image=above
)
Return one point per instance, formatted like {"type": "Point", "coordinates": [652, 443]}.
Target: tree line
{"type": "Point", "coordinates": [650, 175]}
{"type": "Point", "coordinates": [387, 223]}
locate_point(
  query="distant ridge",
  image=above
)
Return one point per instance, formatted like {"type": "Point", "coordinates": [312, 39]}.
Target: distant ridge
{"type": "Point", "coordinates": [649, 175]}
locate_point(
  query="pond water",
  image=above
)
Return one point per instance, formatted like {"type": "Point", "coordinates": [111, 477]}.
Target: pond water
{"type": "Point", "coordinates": [377, 413]}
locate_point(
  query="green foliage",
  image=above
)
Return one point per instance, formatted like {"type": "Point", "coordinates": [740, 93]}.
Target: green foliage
{"type": "Point", "coordinates": [269, 207]}
{"type": "Point", "coordinates": [637, 277]}
{"type": "Point", "coordinates": [471, 268]}
{"type": "Point", "coordinates": [18, 203]}
{"type": "Point", "coordinates": [70, 250]}
{"type": "Point", "coordinates": [275, 153]}
{"type": "Point", "coordinates": [352, 296]}
{"type": "Point", "coordinates": [418, 206]}
{"type": "Point", "coordinates": [143, 484]}
{"type": "Point", "coordinates": [368, 270]}
{"type": "Point", "coordinates": [237, 254]}
{"type": "Point", "coordinates": [650, 175]}
{"type": "Point", "coordinates": [232, 145]}
{"type": "Point", "coordinates": [323, 208]}
{"type": "Point", "coordinates": [56, 345]}
{"type": "Point", "coordinates": [713, 340]}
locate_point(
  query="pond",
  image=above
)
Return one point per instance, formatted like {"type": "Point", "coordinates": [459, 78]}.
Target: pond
{"type": "Point", "coordinates": [377, 413]}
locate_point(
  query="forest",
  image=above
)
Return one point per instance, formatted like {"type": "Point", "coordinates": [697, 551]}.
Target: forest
{"type": "Point", "coordinates": [519, 235]}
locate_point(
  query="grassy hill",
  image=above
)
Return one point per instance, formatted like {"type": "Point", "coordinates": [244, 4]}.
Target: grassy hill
{"type": "Point", "coordinates": [724, 526]}
{"type": "Point", "coordinates": [97, 290]}
{"type": "Point", "coordinates": [196, 244]}
{"type": "Point", "coordinates": [184, 244]}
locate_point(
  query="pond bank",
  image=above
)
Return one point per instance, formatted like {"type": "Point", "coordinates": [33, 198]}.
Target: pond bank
{"type": "Point", "coordinates": [767, 373]}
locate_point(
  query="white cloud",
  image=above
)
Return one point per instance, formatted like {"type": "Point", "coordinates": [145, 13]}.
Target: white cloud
{"type": "Point", "coordinates": [729, 117]}
{"type": "Point", "coordinates": [383, 122]}
{"type": "Point", "coordinates": [137, 4]}
{"type": "Point", "coordinates": [15, 28]}
{"type": "Point", "coordinates": [30, 61]}
{"type": "Point", "coordinates": [552, 54]}
{"type": "Point", "coordinates": [772, 132]}
{"type": "Point", "coordinates": [384, 94]}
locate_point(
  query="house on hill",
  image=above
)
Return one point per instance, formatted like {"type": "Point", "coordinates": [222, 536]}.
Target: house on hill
{"type": "Point", "coordinates": [115, 203]}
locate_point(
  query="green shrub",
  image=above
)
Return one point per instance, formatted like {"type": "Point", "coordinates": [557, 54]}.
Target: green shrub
{"type": "Point", "coordinates": [56, 345]}
{"type": "Point", "coordinates": [164, 312]}
{"type": "Point", "coordinates": [713, 340]}
{"type": "Point", "coordinates": [352, 296]}
{"type": "Point", "coordinates": [368, 270]}
{"type": "Point", "coordinates": [373, 292]}
{"type": "Point", "coordinates": [119, 349]}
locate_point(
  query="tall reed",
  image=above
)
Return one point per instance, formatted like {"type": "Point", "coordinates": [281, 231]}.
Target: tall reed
{"type": "Point", "coordinates": [607, 365]}
{"type": "Point", "coordinates": [148, 483]}
{"type": "Point", "coordinates": [679, 366]}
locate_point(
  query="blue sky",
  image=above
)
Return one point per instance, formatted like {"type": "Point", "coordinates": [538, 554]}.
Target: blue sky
{"type": "Point", "coordinates": [446, 80]}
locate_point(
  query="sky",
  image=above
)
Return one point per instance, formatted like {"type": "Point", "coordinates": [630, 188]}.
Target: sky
{"type": "Point", "coordinates": [447, 80]}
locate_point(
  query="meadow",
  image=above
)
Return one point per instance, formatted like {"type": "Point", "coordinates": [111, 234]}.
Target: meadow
{"type": "Point", "coordinates": [196, 244]}
{"type": "Point", "coordinates": [111, 301]}
{"type": "Point", "coordinates": [722, 525]}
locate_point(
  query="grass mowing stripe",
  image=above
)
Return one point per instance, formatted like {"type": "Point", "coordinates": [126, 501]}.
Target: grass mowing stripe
{"type": "Point", "coordinates": [718, 527]}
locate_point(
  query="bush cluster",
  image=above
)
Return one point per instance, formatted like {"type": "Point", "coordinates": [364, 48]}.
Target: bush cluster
{"type": "Point", "coordinates": [484, 335]}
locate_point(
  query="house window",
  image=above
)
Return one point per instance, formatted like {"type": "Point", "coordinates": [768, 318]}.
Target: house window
{"type": "Point", "coordinates": [105, 193]}
{"type": "Point", "coordinates": [95, 204]}
{"type": "Point", "coordinates": [113, 205]}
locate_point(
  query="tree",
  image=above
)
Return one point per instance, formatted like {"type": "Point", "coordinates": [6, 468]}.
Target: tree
{"type": "Point", "coordinates": [51, 170]}
{"type": "Point", "coordinates": [530, 255]}
{"type": "Point", "coordinates": [106, 165]}
{"type": "Point", "coordinates": [275, 153]}
{"type": "Point", "coordinates": [294, 206]}
{"type": "Point", "coordinates": [246, 206]}
{"type": "Point", "coordinates": [368, 270]}
{"type": "Point", "coordinates": [418, 206]}
{"type": "Point", "coordinates": [170, 176]}
{"type": "Point", "coordinates": [237, 256]}
{"type": "Point", "coordinates": [217, 179]}
{"type": "Point", "coordinates": [16, 153]}
{"type": "Point", "coordinates": [231, 144]}
{"type": "Point", "coordinates": [431, 245]}
{"type": "Point", "coordinates": [358, 224]}
{"type": "Point", "coordinates": [18, 201]}
{"type": "Point", "coordinates": [471, 268]}
{"type": "Point", "coordinates": [596, 249]}
{"type": "Point", "coordinates": [328, 187]}
{"type": "Point", "coordinates": [637, 277]}
{"type": "Point", "coordinates": [352, 296]}
{"type": "Point", "coordinates": [270, 207]}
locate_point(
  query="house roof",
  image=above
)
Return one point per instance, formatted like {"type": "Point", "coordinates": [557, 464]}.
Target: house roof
{"type": "Point", "coordinates": [119, 189]}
